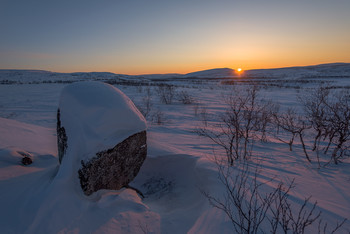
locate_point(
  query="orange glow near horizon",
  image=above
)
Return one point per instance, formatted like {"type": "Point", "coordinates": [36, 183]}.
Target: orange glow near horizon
{"type": "Point", "coordinates": [137, 69]}
{"type": "Point", "coordinates": [183, 67]}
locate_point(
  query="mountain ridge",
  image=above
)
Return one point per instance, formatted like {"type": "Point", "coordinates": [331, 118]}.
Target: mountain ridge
{"type": "Point", "coordinates": [319, 70]}
{"type": "Point", "coordinates": [211, 70]}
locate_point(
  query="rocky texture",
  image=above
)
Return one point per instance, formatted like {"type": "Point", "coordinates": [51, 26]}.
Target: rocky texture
{"type": "Point", "coordinates": [114, 168]}
{"type": "Point", "coordinates": [26, 161]}
{"type": "Point", "coordinates": [61, 137]}
{"type": "Point", "coordinates": [27, 158]}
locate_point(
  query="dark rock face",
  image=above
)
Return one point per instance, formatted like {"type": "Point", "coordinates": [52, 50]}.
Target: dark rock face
{"type": "Point", "coordinates": [61, 137]}
{"type": "Point", "coordinates": [26, 161]}
{"type": "Point", "coordinates": [114, 168]}
{"type": "Point", "coordinates": [27, 158]}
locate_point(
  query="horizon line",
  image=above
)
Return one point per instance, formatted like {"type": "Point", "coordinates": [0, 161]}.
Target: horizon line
{"type": "Point", "coordinates": [172, 73]}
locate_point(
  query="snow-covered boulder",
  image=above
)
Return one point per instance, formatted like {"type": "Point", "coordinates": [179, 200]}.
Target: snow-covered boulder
{"type": "Point", "coordinates": [101, 136]}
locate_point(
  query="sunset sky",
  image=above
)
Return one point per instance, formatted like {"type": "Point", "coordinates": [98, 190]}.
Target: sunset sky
{"type": "Point", "coordinates": [160, 36]}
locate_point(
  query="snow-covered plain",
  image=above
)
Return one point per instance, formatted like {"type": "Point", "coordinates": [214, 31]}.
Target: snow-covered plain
{"type": "Point", "coordinates": [179, 163]}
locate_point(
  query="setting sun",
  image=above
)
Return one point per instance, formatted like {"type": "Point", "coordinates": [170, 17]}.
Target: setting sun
{"type": "Point", "coordinates": [239, 69]}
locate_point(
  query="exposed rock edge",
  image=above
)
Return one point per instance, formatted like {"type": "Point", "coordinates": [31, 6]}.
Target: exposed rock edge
{"type": "Point", "coordinates": [116, 167]}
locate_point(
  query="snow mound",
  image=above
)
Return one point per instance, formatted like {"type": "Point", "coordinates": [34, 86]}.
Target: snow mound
{"type": "Point", "coordinates": [97, 116]}
{"type": "Point", "coordinates": [31, 138]}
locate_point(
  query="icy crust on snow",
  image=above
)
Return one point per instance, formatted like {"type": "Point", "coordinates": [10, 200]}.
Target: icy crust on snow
{"type": "Point", "coordinates": [96, 117]}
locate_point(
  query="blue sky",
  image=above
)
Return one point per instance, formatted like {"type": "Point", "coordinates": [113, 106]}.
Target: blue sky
{"type": "Point", "coordinates": [181, 36]}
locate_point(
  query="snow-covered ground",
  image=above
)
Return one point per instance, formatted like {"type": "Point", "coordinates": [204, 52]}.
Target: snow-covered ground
{"type": "Point", "coordinates": [179, 163]}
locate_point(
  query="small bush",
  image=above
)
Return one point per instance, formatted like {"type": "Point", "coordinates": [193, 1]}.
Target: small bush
{"type": "Point", "coordinates": [185, 97]}
{"type": "Point", "coordinates": [252, 208]}
{"type": "Point", "coordinates": [158, 117]}
{"type": "Point", "coordinates": [166, 93]}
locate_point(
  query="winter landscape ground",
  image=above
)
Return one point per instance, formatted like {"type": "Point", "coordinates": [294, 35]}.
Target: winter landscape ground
{"type": "Point", "coordinates": [182, 171]}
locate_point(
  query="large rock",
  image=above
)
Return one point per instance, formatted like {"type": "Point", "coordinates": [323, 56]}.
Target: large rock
{"type": "Point", "coordinates": [101, 136]}
{"type": "Point", "coordinates": [114, 168]}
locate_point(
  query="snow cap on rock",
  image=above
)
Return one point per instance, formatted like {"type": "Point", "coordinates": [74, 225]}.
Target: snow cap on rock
{"type": "Point", "coordinates": [97, 116]}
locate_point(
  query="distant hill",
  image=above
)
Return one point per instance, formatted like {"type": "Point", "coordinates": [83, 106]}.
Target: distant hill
{"type": "Point", "coordinates": [9, 76]}
{"type": "Point", "coordinates": [321, 70]}
{"type": "Point", "coordinates": [212, 73]}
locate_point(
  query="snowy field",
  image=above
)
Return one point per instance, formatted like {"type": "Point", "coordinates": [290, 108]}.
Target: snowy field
{"type": "Point", "coordinates": [179, 168]}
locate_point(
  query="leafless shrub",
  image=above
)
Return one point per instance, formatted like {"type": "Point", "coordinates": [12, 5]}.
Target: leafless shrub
{"type": "Point", "coordinates": [316, 113]}
{"type": "Point", "coordinates": [166, 93]}
{"type": "Point", "coordinates": [245, 120]}
{"type": "Point", "coordinates": [267, 113]}
{"type": "Point", "coordinates": [158, 117]}
{"type": "Point", "coordinates": [253, 209]}
{"type": "Point", "coordinates": [323, 227]}
{"type": "Point", "coordinates": [287, 123]}
{"type": "Point", "coordinates": [284, 220]}
{"type": "Point", "coordinates": [332, 124]}
{"type": "Point", "coordinates": [243, 202]}
{"type": "Point", "coordinates": [326, 123]}
{"type": "Point", "coordinates": [203, 115]}
{"type": "Point", "coordinates": [339, 121]}
{"type": "Point", "coordinates": [185, 97]}
{"type": "Point", "coordinates": [294, 124]}
{"type": "Point", "coordinates": [146, 104]}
